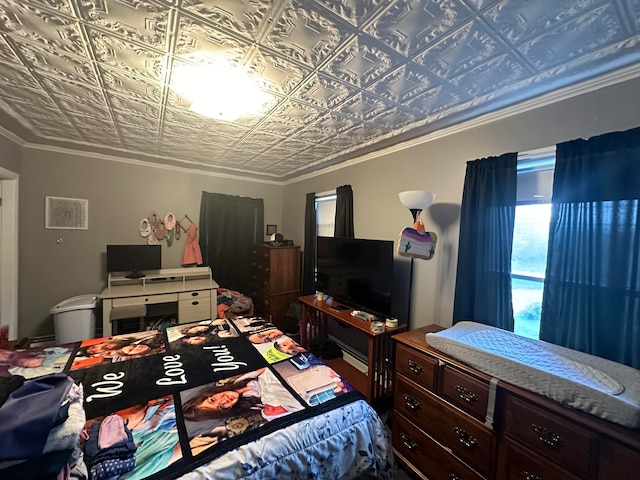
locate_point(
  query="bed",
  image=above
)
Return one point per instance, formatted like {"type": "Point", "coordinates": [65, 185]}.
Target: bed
{"type": "Point", "coordinates": [595, 385]}
{"type": "Point", "coordinates": [226, 399]}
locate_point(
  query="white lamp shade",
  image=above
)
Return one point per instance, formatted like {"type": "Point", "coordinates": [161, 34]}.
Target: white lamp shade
{"type": "Point", "coordinates": [416, 199]}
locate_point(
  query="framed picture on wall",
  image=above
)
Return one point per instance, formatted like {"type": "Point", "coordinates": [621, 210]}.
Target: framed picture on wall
{"type": "Point", "coordinates": [271, 229]}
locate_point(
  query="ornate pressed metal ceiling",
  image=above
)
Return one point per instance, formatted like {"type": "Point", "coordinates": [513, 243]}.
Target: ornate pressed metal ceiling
{"type": "Point", "coordinates": [348, 76]}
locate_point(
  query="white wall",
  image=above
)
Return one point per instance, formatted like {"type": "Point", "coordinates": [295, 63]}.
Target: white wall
{"type": "Point", "coordinates": [439, 165]}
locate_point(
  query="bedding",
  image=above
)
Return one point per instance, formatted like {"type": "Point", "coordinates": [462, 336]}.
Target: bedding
{"type": "Point", "coordinates": [224, 398]}
{"type": "Point", "coordinates": [592, 384]}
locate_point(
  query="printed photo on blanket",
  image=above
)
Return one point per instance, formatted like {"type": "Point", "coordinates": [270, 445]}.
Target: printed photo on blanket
{"type": "Point", "coordinates": [118, 348]}
{"type": "Point", "coordinates": [35, 362]}
{"type": "Point", "coordinates": [250, 324]}
{"type": "Point", "coordinates": [200, 333]}
{"type": "Point", "coordinates": [152, 445]}
{"type": "Point", "coordinates": [233, 406]}
{"type": "Point", "coordinates": [274, 345]}
{"type": "Point", "coordinates": [314, 381]}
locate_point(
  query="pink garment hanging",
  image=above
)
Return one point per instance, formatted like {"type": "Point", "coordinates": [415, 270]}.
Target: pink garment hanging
{"type": "Point", "coordinates": [191, 255]}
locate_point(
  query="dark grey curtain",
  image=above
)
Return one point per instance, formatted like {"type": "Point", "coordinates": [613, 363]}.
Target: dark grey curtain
{"type": "Point", "coordinates": [483, 282]}
{"type": "Point", "coordinates": [309, 257]}
{"type": "Point", "coordinates": [591, 296]}
{"type": "Point", "coordinates": [229, 226]}
{"type": "Point", "coordinates": [343, 226]}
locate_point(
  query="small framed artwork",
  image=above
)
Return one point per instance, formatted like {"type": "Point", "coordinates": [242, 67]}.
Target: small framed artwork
{"type": "Point", "coordinates": [271, 229]}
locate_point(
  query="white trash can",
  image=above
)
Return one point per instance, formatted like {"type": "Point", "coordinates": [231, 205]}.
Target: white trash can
{"type": "Point", "coordinates": [74, 319]}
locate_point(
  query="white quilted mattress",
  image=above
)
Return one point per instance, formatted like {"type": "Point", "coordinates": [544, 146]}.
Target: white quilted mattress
{"type": "Point", "coordinates": [595, 385]}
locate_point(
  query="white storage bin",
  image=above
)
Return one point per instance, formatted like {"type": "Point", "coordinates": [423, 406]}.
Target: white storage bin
{"type": "Point", "coordinates": [75, 318]}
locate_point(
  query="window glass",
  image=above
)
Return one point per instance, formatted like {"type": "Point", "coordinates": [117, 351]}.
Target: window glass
{"type": "Point", "coordinates": [530, 241]}
{"type": "Point", "coordinates": [325, 215]}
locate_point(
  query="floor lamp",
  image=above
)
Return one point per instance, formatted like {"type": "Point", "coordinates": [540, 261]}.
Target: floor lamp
{"type": "Point", "coordinates": [415, 201]}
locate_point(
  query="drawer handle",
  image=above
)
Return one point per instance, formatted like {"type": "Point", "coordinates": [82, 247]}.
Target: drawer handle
{"type": "Point", "coordinates": [411, 402]}
{"type": "Point", "coordinates": [466, 394]}
{"type": "Point", "coordinates": [195, 294]}
{"type": "Point", "coordinates": [408, 442]}
{"type": "Point", "coordinates": [265, 283]}
{"type": "Point", "coordinates": [465, 439]}
{"type": "Point", "coordinates": [528, 475]}
{"type": "Point", "coordinates": [415, 367]}
{"type": "Point", "coordinates": [266, 303]}
{"type": "Point", "coordinates": [453, 476]}
{"type": "Point", "coordinates": [547, 436]}
{"type": "Point", "coordinates": [195, 302]}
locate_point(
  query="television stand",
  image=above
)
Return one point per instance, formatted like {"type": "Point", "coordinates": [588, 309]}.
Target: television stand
{"type": "Point", "coordinates": [376, 385]}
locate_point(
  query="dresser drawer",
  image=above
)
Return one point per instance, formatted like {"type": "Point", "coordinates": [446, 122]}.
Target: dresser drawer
{"type": "Point", "coordinates": [193, 309]}
{"type": "Point", "coordinates": [525, 465]}
{"type": "Point", "coordinates": [261, 303]}
{"type": "Point", "coordinates": [618, 461]}
{"type": "Point", "coordinates": [553, 437]}
{"type": "Point", "coordinates": [465, 392]}
{"type": "Point", "coordinates": [417, 366]}
{"type": "Point", "coordinates": [426, 455]}
{"type": "Point", "coordinates": [261, 281]}
{"type": "Point", "coordinates": [467, 438]}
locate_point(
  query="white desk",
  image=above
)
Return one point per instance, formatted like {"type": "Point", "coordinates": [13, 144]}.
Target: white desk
{"type": "Point", "coordinates": [192, 289]}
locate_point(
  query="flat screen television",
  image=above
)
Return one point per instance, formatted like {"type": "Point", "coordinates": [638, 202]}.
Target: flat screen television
{"type": "Point", "coordinates": [356, 272]}
{"type": "Point", "coordinates": [133, 260]}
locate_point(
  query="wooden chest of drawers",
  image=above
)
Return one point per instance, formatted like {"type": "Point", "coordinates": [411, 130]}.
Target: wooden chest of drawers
{"type": "Point", "coordinates": [453, 422]}
{"type": "Point", "coordinates": [275, 281]}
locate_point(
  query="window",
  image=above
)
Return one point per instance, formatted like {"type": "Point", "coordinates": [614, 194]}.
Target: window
{"type": "Point", "coordinates": [530, 241]}
{"type": "Point", "coordinates": [325, 214]}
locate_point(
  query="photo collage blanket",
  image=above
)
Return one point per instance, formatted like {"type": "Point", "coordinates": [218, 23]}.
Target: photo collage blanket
{"type": "Point", "coordinates": [191, 392]}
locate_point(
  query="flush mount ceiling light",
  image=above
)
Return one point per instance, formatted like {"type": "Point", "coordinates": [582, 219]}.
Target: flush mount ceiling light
{"type": "Point", "coordinates": [218, 88]}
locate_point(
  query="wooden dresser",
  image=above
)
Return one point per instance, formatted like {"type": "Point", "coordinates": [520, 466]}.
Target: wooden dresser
{"type": "Point", "coordinates": [276, 281]}
{"type": "Point", "coordinates": [451, 422]}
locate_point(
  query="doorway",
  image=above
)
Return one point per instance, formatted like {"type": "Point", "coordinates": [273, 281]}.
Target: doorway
{"type": "Point", "coordinates": [9, 251]}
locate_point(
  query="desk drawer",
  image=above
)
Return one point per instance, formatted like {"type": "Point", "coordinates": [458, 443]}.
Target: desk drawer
{"type": "Point", "coordinates": [195, 295]}
{"type": "Point", "coordinates": [141, 300]}
{"type": "Point", "coordinates": [194, 309]}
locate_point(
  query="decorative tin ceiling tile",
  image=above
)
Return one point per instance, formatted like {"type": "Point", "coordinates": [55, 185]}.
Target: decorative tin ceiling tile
{"type": "Point", "coordinates": [143, 21]}
{"type": "Point", "coordinates": [195, 35]}
{"type": "Point", "coordinates": [596, 29]}
{"type": "Point", "coordinates": [125, 55]}
{"type": "Point", "coordinates": [283, 76]}
{"type": "Point", "coordinates": [323, 91]}
{"type": "Point", "coordinates": [353, 11]}
{"type": "Point", "coordinates": [46, 28]}
{"type": "Point", "coordinates": [345, 74]}
{"type": "Point", "coordinates": [17, 76]}
{"type": "Point", "coordinates": [361, 62]}
{"type": "Point", "coordinates": [518, 21]}
{"type": "Point", "coordinates": [241, 16]}
{"type": "Point", "coordinates": [363, 106]}
{"type": "Point", "coordinates": [494, 74]}
{"type": "Point", "coordinates": [304, 35]}
{"type": "Point", "coordinates": [408, 26]}
{"type": "Point", "coordinates": [403, 83]}
{"type": "Point", "coordinates": [466, 47]}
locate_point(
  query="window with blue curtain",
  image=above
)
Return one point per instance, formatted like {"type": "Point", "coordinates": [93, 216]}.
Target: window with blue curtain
{"type": "Point", "coordinates": [591, 299]}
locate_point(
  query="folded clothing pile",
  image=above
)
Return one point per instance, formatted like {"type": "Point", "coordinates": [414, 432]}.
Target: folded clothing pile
{"type": "Point", "coordinates": [109, 450]}
{"type": "Point", "coordinates": [40, 425]}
